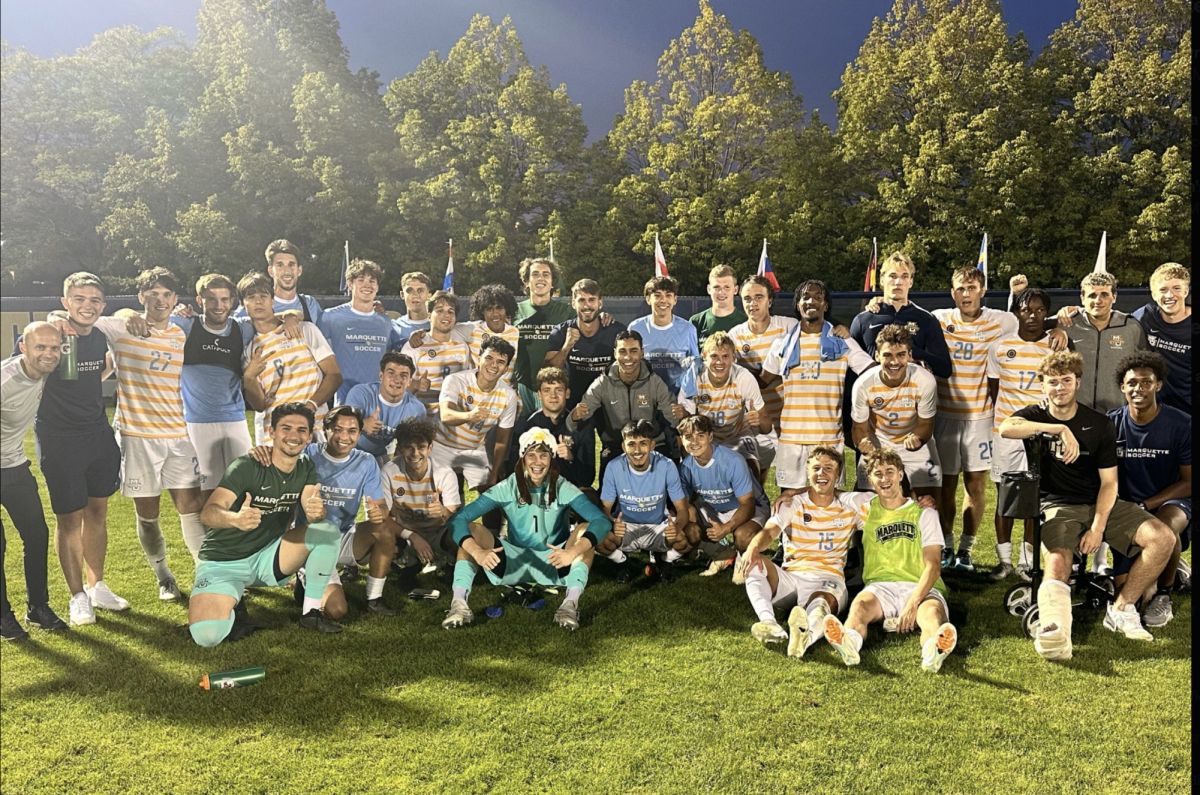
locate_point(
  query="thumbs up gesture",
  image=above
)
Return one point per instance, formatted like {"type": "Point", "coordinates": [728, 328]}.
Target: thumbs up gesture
{"type": "Point", "coordinates": [314, 506]}
{"type": "Point", "coordinates": [376, 511]}
{"type": "Point", "coordinates": [422, 383]}
{"type": "Point", "coordinates": [751, 416]}
{"type": "Point", "coordinates": [619, 526]}
{"type": "Point", "coordinates": [564, 449]}
{"type": "Point", "coordinates": [248, 517]}
{"type": "Point", "coordinates": [372, 425]}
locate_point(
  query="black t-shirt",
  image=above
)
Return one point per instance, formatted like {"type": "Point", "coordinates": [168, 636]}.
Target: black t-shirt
{"type": "Point", "coordinates": [588, 359]}
{"type": "Point", "coordinates": [1077, 483]}
{"type": "Point", "coordinates": [75, 408]}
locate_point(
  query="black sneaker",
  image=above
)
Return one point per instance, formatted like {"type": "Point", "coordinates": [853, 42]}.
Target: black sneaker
{"type": "Point", "coordinates": [349, 573]}
{"type": "Point", "coordinates": [666, 571]}
{"type": "Point", "coordinates": [43, 617]}
{"type": "Point", "coordinates": [377, 607]}
{"type": "Point", "coordinates": [11, 629]}
{"type": "Point", "coordinates": [624, 572]}
{"type": "Point", "coordinates": [314, 619]}
{"type": "Point", "coordinates": [242, 625]}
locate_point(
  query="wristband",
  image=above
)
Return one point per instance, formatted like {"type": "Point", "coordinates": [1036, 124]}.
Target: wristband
{"type": "Point", "coordinates": [406, 534]}
{"type": "Point", "coordinates": [312, 403]}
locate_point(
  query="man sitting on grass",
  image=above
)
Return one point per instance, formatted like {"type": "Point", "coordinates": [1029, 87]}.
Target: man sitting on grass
{"type": "Point", "coordinates": [252, 539]}
{"type": "Point", "coordinates": [902, 567]}
{"type": "Point", "coordinates": [540, 547]}
{"type": "Point", "coordinates": [422, 496]}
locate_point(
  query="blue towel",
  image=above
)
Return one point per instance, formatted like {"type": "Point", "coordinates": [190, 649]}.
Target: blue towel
{"type": "Point", "coordinates": [832, 346]}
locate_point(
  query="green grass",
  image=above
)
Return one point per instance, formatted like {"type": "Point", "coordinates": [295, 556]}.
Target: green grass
{"type": "Point", "coordinates": [661, 690]}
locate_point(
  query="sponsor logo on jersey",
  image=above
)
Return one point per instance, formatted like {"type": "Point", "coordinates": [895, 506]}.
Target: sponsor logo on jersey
{"type": "Point", "coordinates": [704, 399]}
{"type": "Point", "coordinates": [878, 402]}
{"type": "Point", "coordinates": [807, 518]}
{"type": "Point", "coordinates": [950, 329]}
{"type": "Point", "coordinates": [746, 348]}
{"type": "Point", "coordinates": [1011, 353]}
{"type": "Point", "coordinates": [399, 491]}
{"type": "Point", "coordinates": [895, 531]}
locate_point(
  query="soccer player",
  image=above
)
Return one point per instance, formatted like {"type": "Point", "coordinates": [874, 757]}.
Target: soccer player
{"type": "Point", "coordinates": [553, 394]}
{"type": "Point", "coordinates": [279, 369]}
{"type": "Point", "coordinates": [22, 380]}
{"type": "Point", "coordinates": [470, 404]}
{"type": "Point", "coordinates": [726, 499]}
{"type": "Point", "coordinates": [415, 288]}
{"type": "Point", "coordinates": [928, 343]}
{"type": "Point", "coordinates": [1013, 384]}
{"type": "Point", "coordinates": [78, 453]}
{"type": "Point", "coordinates": [902, 551]}
{"type": "Point", "coordinates": [441, 354]}
{"type": "Point", "coordinates": [492, 309]}
{"type": "Point", "coordinates": [284, 268]}
{"type": "Point", "coordinates": [628, 391]}
{"type": "Point", "coordinates": [641, 485]}
{"type": "Point", "coordinates": [540, 543]}
{"type": "Point", "coordinates": [893, 407]}
{"type": "Point", "coordinates": [536, 318]}
{"type": "Point", "coordinates": [808, 364]}
{"type": "Point", "coordinates": [728, 395]}
{"type": "Point", "coordinates": [1154, 468]}
{"type": "Point", "coordinates": [256, 536]}
{"type": "Point", "coordinates": [724, 314]}
{"type": "Point", "coordinates": [1080, 506]}
{"type": "Point", "coordinates": [385, 404]}
{"type": "Point", "coordinates": [357, 334]}
{"type": "Point", "coordinates": [422, 495]}
{"type": "Point", "coordinates": [669, 342]}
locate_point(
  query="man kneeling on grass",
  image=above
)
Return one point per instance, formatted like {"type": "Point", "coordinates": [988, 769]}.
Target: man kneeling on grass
{"type": "Point", "coordinates": [902, 567]}
{"type": "Point", "coordinates": [541, 547]}
{"type": "Point", "coordinates": [249, 542]}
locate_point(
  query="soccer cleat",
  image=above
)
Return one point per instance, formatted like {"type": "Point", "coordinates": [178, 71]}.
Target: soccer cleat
{"type": "Point", "coordinates": [43, 617]}
{"type": "Point", "coordinates": [666, 571]}
{"type": "Point", "coordinates": [962, 561]}
{"type": "Point", "coordinates": [739, 577]}
{"type": "Point", "coordinates": [768, 632]}
{"type": "Point", "coordinates": [242, 627]}
{"type": "Point", "coordinates": [1127, 622]}
{"type": "Point", "coordinates": [11, 629]}
{"type": "Point", "coordinates": [800, 637]}
{"type": "Point", "coordinates": [1159, 612]}
{"type": "Point", "coordinates": [81, 611]}
{"type": "Point", "coordinates": [377, 607]}
{"type": "Point", "coordinates": [104, 599]}
{"type": "Point", "coordinates": [839, 639]}
{"type": "Point", "coordinates": [938, 648]}
{"type": "Point", "coordinates": [459, 615]}
{"type": "Point", "coordinates": [349, 573]}
{"type": "Point", "coordinates": [168, 590]}
{"type": "Point", "coordinates": [1002, 571]}
{"type": "Point", "coordinates": [624, 572]}
{"type": "Point", "coordinates": [947, 557]}
{"type": "Point", "coordinates": [716, 567]}
{"type": "Point", "coordinates": [314, 619]}
{"type": "Point", "coordinates": [567, 615]}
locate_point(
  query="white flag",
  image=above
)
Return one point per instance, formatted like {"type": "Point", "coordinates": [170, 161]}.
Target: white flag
{"type": "Point", "coordinates": [660, 262]}
{"type": "Point", "coordinates": [1102, 256]}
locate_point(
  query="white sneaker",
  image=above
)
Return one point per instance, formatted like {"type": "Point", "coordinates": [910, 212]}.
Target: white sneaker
{"type": "Point", "coordinates": [716, 567]}
{"type": "Point", "coordinates": [104, 599]}
{"type": "Point", "coordinates": [768, 632]}
{"type": "Point", "coordinates": [168, 590]}
{"type": "Point", "coordinates": [81, 610]}
{"type": "Point", "coordinates": [458, 615]}
{"type": "Point", "coordinates": [739, 576]}
{"type": "Point", "coordinates": [800, 632]}
{"type": "Point", "coordinates": [1159, 612]}
{"type": "Point", "coordinates": [839, 638]}
{"type": "Point", "coordinates": [938, 648]}
{"type": "Point", "coordinates": [1127, 622]}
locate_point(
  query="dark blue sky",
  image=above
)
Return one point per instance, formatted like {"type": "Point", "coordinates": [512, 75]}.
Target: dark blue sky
{"type": "Point", "coordinates": [596, 47]}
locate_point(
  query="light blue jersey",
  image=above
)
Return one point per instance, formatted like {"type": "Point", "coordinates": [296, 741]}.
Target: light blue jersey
{"type": "Point", "coordinates": [642, 497]}
{"type": "Point", "coordinates": [359, 340]}
{"type": "Point", "coordinates": [366, 398]}
{"type": "Point", "coordinates": [405, 327]}
{"type": "Point", "coordinates": [720, 483]}
{"type": "Point", "coordinates": [668, 350]}
{"type": "Point", "coordinates": [345, 484]}
{"type": "Point", "coordinates": [211, 380]}
{"type": "Point", "coordinates": [306, 305]}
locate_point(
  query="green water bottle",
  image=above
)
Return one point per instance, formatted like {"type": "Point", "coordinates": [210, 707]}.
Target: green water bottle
{"type": "Point", "coordinates": [243, 677]}
{"type": "Point", "coordinates": [68, 365]}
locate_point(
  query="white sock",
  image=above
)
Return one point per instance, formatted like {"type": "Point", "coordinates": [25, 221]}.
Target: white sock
{"type": "Point", "coordinates": [617, 557]}
{"type": "Point", "coordinates": [816, 620]}
{"type": "Point", "coordinates": [193, 533]}
{"type": "Point", "coordinates": [154, 546]}
{"type": "Point", "coordinates": [573, 594]}
{"type": "Point", "coordinates": [1004, 552]}
{"type": "Point", "coordinates": [1026, 554]}
{"type": "Point", "coordinates": [460, 594]}
{"type": "Point", "coordinates": [1100, 558]}
{"type": "Point", "coordinates": [375, 587]}
{"type": "Point", "coordinates": [758, 588]}
{"type": "Point", "coordinates": [948, 540]}
{"type": "Point", "coordinates": [673, 555]}
{"type": "Point", "coordinates": [856, 640]}
{"type": "Point", "coordinates": [966, 543]}
{"type": "Point", "coordinates": [310, 605]}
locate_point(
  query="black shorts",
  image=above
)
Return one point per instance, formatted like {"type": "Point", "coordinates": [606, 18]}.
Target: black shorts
{"type": "Point", "coordinates": [77, 468]}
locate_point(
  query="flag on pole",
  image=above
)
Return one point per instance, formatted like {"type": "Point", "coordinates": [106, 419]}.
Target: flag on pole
{"type": "Point", "coordinates": [345, 289]}
{"type": "Point", "coordinates": [448, 282]}
{"type": "Point", "coordinates": [562, 290]}
{"type": "Point", "coordinates": [871, 280]}
{"type": "Point", "coordinates": [764, 267]}
{"type": "Point", "coordinates": [982, 264]}
{"type": "Point", "coordinates": [660, 262]}
{"type": "Point", "coordinates": [1102, 255]}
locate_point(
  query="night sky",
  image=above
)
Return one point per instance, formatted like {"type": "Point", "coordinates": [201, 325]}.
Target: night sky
{"type": "Point", "coordinates": [597, 48]}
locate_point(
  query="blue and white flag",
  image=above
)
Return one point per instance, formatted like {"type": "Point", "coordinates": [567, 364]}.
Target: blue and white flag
{"type": "Point", "coordinates": [345, 288]}
{"type": "Point", "coordinates": [448, 282]}
{"type": "Point", "coordinates": [982, 264]}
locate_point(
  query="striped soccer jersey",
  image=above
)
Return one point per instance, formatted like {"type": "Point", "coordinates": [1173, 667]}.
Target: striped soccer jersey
{"type": "Point", "coordinates": [751, 352]}
{"type": "Point", "coordinates": [1014, 362]}
{"type": "Point", "coordinates": [292, 372]}
{"type": "Point", "coordinates": [892, 412]}
{"type": "Point", "coordinates": [415, 495]}
{"type": "Point", "coordinates": [463, 392]}
{"type": "Point", "coordinates": [816, 538]}
{"type": "Point", "coordinates": [725, 405]}
{"type": "Point", "coordinates": [480, 332]}
{"type": "Point", "coordinates": [963, 396]}
{"type": "Point", "coordinates": [437, 360]}
{"type": "Point", "coordinates": [812, 391]}
{"type": "Point", "coordinates": [149, 375]}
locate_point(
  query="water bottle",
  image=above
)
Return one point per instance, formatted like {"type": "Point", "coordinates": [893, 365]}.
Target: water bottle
{"type": "Point", "coordinates": [243, 677]}
{"type": "Point", "coordinates": [68, 365]}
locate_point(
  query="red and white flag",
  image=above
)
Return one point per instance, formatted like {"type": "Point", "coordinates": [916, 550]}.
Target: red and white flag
{"type": "Point", "coordinates": [660, 262]}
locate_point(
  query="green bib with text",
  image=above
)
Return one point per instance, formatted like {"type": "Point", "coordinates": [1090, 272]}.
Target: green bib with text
{"type": "Point", "coordinates": [892, 549]}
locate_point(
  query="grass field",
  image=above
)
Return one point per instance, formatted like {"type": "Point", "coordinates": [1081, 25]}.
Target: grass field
{"type": "Point", "coordinates": [661, 690]}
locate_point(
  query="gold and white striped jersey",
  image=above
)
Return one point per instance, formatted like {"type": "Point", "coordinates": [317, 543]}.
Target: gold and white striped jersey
{"type": "Point", "coordinates": [726, 405]}
{"type": "Point", "coordinates": [480, 332]}
{"type": "Point", "coordinates": [892, 412]}
{"type": "Point", "coordinates": [149, 372]}
{"type": "Point", "coordinates": [812, 391]}
{"type": "Point", "coordinates": [400, 490]}
{"type": "Point", "coordinates": [963, 396]}
{"type": "Point", "coordinates": [437, 360]}
{"type": "Point", "coordinates": [816, 538]}
{"type": "Point", "coordinates": [292, 372]}
{"type": "Point", "coordinates": [462, 391]}
{"type": "Point", "coordinates": [1014, 362]}
{"type": "Point", "coordinates": [751, 353]}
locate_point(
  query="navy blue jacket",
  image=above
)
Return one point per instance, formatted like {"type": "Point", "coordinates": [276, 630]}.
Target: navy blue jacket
{"type": "Point", "coordinates": [929, 344]}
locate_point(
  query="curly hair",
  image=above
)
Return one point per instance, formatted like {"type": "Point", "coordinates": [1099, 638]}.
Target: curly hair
{"type": "Point", "coordinates": [1139, 360]}
{"type": "Point", "coordinates": [492, 295]}
{"type": "Point", "coordinates": [1061, 363]}
{"type": "Point", "coordinates": [893, 334]}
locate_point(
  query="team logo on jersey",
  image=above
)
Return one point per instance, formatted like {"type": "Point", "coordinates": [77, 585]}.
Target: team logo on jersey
{"type": "Point", "coordinates": [432, 354]}
{"type": "Point", "coordinates": [979, 335]}
{"type": "Point", "coordinates": [135, 484]}
{"type": "Point", "coordinates": [839, 522]}
{"type": "Point", "coordinates": [746, 348]}
{"type": "Point", "coordinates": [643, 401]}
{"type": "Point", "coordinates": [458, 357]}
{"type": "Point", "coordinates": [807, 518]}
{"type": "Point", "coordinates": [703, 398]}
{"type": "Point", "coordinates": [202, 583]}
{"type": "Point", "coordinates": [1120, 451]}
{"type": "Point", "coordinates": [905, 402]}
{"type": "Point", "coordinates": [1117, 341]}
{"type": "Point", "coordinates": [399, 491]}
{"type": "Point", "coordinates": [1011, 353]}
{"type": "Point", "coordinates": [878, 402]}
{"type": "Point", "coordinates": [950, 329]}
{"type": "Point", "coordinates": [470, 399]}
{"type": "Point", "coordinates": [913, 328]}
{"type": "Point", "coordinates": [895, 531]}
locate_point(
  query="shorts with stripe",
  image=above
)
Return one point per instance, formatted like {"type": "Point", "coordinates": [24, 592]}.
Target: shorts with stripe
{"type": "Point", "coordinates": [798, 587]}
{"type": "Point", "coordinates": [791, 464]}
{"type": "Point", "coordinates": [963, 445]}
{"type": "Point", "coordinates": [645, 537]}
{"type": "Point", "coordinates": [893, 596]}
{"type": "Point", "coordinates": [150, 465]}
{"type": "Point", "coordinates": [216, 445]}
